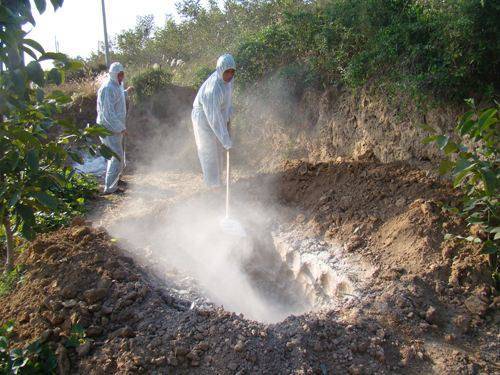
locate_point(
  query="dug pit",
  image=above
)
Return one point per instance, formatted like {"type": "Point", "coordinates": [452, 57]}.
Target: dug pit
{"type": "Point", "coordinates": [273, 273]}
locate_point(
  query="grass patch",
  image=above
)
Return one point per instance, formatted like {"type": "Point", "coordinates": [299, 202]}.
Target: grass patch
{"type": "Point", "coordinates": [9, 280]}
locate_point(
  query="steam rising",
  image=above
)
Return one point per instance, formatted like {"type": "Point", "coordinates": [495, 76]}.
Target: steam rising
{"type": "Point", "coordinates": [170, 220]}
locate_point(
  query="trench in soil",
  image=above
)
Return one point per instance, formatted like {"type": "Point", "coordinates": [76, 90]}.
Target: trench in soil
{"type": "Point", "coordinates": [274, 272]}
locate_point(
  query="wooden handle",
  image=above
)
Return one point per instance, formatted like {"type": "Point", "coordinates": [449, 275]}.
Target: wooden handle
{"type": "Point", "coordinates": [227, 182]}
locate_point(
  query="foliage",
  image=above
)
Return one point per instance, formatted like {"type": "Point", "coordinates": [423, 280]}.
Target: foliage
{"type": "Point", "coordinates": [36, 358]}
{"type": "Point", "coordinates": [444, 48]}
{"type": "Point", "coordinates": [8, 280]}
{"type": "Point", "coordinates": [132, 43]}
{"type": "Point", "coordinates": [204, 33]}
{"type": "Point", "coordinates": [73, 197]}
{"type": "Point", "coordinates": [201, 75]}
{"type": "Point", "coordinates": [36, 147]}
{"type": "Point", "coordinates": [149, 82]}
{"type": "Point", "coordinates": [77, 337]}
{"type": "Point", "coordinates": [476, 172]}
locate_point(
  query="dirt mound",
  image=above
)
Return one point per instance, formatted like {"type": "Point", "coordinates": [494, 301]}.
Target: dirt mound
{"type": "Point", "coordinates": [368, 205]}
{"type": "Point", "coordinates": [391, 215]}
{"type": "Point", "coordinates": [426, 308]}
{"type": "Point", "coordinates": [76, 276]}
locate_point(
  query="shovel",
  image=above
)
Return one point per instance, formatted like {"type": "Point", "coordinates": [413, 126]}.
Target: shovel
{"type": "Point", "coordinates": [228, 224]}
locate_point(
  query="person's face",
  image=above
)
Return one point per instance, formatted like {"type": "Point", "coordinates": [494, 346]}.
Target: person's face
{"type": "Point", "coordinates": [228, 75]}
{"type": "Point", "coordinates": [120, 77]}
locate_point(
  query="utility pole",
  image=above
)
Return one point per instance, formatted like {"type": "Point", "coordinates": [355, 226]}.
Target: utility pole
{"type": "Point", "coordinates": [106, 45]}
{"type": "Point", "coordinates": [56, 44]}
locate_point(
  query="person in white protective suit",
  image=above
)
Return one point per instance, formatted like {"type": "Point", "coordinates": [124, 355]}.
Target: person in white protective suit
{"type": "Point", "coordinates": [212, 109]}
{"type": "Point", "coordinates": [111, 113]}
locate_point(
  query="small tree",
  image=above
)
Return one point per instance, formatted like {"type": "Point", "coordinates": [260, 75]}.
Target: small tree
{"type": "Point", "coordinates": [36, 150]}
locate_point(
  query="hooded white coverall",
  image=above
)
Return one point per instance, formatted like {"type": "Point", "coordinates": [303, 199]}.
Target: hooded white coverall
{"type": "Point", "coordinates": [212, 110]}
{"type": "Point", "coordinates": [111, 113]}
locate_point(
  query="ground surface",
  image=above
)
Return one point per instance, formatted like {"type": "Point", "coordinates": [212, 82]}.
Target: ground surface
{"type": "Point", "coordinates": [344, 269]}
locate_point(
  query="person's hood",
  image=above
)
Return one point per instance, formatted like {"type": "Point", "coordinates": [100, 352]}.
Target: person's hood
{"type": "Point", "coordinates": [114, 69]}
{"type": "Point", "coordinates": [225, 62]}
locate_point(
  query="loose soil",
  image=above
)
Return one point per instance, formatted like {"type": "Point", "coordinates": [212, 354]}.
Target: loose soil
{"type": "Point", "coordinates": [350, 259]}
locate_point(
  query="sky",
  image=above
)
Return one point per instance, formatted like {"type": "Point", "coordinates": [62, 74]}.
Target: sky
{"type": "Point", "coordinates": [77, 26]}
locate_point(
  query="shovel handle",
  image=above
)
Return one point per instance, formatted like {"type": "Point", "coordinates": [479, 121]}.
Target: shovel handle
{"type": "Point", "coordinates": [228, 170]}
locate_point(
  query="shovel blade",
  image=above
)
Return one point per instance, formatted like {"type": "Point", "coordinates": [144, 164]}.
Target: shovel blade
{"type": "Point", "coordinates": [233, 227]}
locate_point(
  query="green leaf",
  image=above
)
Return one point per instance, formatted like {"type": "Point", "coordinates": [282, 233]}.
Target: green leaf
{"type": "Point", "coordinates": [427, 128]}
{"type": "Point", "coordinates": [445, 166]}
{"type": "Point", "coordinates": [4, 344]}
{"type": "Point", "coordinates": [32, 159]}
{"type": "Point", "coordinates": [486, 115]}
{"type": "Point", "coordinates": [26, 213]}
{"type": "Point", "coordinates": [40, 5]}
{"type": "Point", "coordinates": [56, 179]}
{"type": "Point", "coordinates": [75, 156]}
{"type": "Point", "coordinates": [16, 353]}
{"type": "Point", "coordinates": [29, 51]}
{"type": "Point", "coordinates": [460, 177]}
{"type": "Point", "coordinates": [489, 179]}
{"type": "Point", "coordinates": [35, 72]}
{"type": "Point", "coordinates": [450, 147]}
{"type": "Point", "coordinates": [97, 131]}
{"type": "Point", "coordinates": [34, 44]}
{"type": "Point", "coordinates": [53, 56]}
{"type": "Point", "coordinates": [28, 232]}
{"type": "Point", "coordinates": [442, 141]}
{"type": "Point", "coordinates": [429, 139]}
{"type": "Point", "coordinates": [462, 164]}
{"type": "Point", "coordinates": [74, 65]}
{"type": "Point", "coordinates": [46, 200]}
{"type": "Point", "coordinates": [489, 247]}
{"type": "Point", "coordinates": [40, 95]}
{"type": "Point", "coordinates": [497, 236]}
{"type": "Point", "coordinates": [475, 220]}
{"type": "Point", "coordinates": [54, 76]}
{"type": "Point", "coordinates": [466, 126]}
{"type": "Point", "coordinates": [106, 152]}
{"type": "Point", "coordinates": [57, 3]}
{"type": "Point", "coordinates": [487, 124]}
{"type": "Point", "coordinates": [15, 198]}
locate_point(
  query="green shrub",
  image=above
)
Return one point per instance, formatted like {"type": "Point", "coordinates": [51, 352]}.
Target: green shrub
{"type": "Point", "coordinates": [476, 173]}
{"type": "Point", "coordinates": [73, 196]}
{"type": "Point", "coordinates": [201, 75]}
{"type": "Point", "coordinates": [36, 358]}
{"type": "Point", "coordinates": [443, 48]}
{"type": "Point", "coordinates": [150, 82]}
{"type": "Point", "coordinates": [447, 48]}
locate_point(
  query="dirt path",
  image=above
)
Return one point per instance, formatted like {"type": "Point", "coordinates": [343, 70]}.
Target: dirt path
{"type": "Point", "coordinates": [344, 271]}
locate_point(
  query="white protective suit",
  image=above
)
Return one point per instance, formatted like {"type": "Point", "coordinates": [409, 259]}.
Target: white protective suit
{"type": "Point", "coordinates": [212, 110]}
{"type": "Point", "coordinates": [111, 113]}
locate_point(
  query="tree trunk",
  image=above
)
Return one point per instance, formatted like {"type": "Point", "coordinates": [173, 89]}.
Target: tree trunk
{"type": "Point", "coordinates": [10, 244]}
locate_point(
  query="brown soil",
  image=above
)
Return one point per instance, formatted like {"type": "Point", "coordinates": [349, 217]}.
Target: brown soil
{"type": "Point", "coordinates": [426, 309]}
